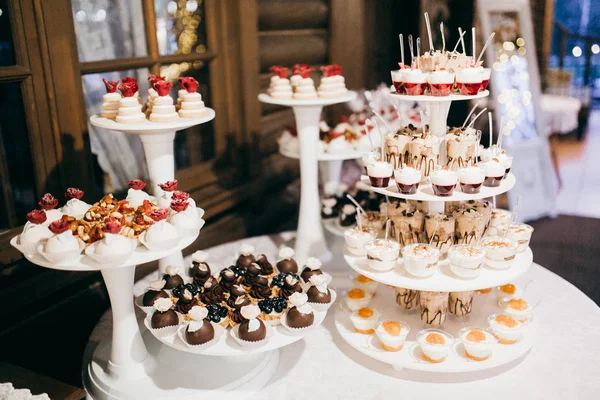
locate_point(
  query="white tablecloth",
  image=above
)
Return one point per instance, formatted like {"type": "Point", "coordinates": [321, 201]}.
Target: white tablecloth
{"type": "Point", "coordinates": [564, 364]}
{"type": "Point", "coordinates": [561, 113]}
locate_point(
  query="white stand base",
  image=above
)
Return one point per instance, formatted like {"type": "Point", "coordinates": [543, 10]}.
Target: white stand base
{"type": "Point", "coordinates": [172, 374]}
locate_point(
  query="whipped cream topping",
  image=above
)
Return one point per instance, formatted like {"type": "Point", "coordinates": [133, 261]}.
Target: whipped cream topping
{"type": "Point", "coordinates": [62, 242]}
{"type": "Point", "coordinates": [200, 256]}
{"type": "Point", "coordinates": [163, 304]}
{"type": "Point", "coordinates": [414, 76]}
{"type": "Point", "coordinates": [286, 253]}
{"type": "Point", "coordinates": [313, 263]}
{"type": "Point", "coordinates": [359, 233]}
{"type": "Point", "coordinates": [472, 174]}
{"type": "Point", "coordinates": [423, 251]}
{"type": "Point", "coordinates": [114, 244]}
{"type": "Point", "coordinates": [280, 88]}
{"type": "Point", "coordinates": [380, 169]}
{"type": "Point", "coordinates": [467, 251]}
{"type": "Point", "coordinates": [440, 77]}
{"type": "Point", "coordinates": [493, 168]}
{"type": "Point", "coordinates": [158, 284]}
{"type": "Point", "coordinates": [443, 177]}
{"type": "Point", "coordinates": [305, 89]}
{"type": "Point", "coordinates": [470, 75]}
{"type": "Point", "coordinates": [183, 221]}
{"type": "Point", "coordinates": [497, 242]}
{"type": "Point", "coordinates": [35, 233]}
{"type": "Point", "coordinates": [520, 228]}
{"type": "Point", "coordinates": [397, 75]}
{"type": "Point", "coordinates": [332, 86]}
{"type": "Point", "coordinates": [407, 175]}
{"type": "Point", "coordinates": [382, 245]}
{"type": "Point", "coordinates": [136, 197]}
{"type": "Point", "coordinates": [504, 159]}
{"type": "Point", "coordinates": [75, 208]}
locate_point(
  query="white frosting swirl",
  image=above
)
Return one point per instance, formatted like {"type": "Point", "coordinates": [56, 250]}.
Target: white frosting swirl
{"type": "Point", "coordinates": [161, 231]}
{"type": "Point", "coordinates": [136, 197]}
{"type": "Point", "coordinates": [286, 253]}
{"type": "Point", "coordinates": [62, 242]}
{"type": "Point", "coordinates": [75, 208]}
{"type": "Point", "coordinates": [163, 304]}
{"type": "Point", "coordinates": [113, 244]}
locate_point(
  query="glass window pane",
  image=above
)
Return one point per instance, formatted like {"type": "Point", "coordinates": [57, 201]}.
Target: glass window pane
{"type": "Point", "coordinates": [7, 51]}
{"type": "Point", "coordinates": [108, 29]}
{"type": "Point", "coordinates": [120, 155]}
{"type": "Point", "coordinates": [196, 144]}
{"type": "Point", "coordinates": [16, 160]}
{"type": "Point", "coordinates": [180, 27]}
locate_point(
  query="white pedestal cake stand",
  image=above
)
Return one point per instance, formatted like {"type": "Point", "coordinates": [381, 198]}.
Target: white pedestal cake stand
{"type": "Point", "coordinates": [310, 241]}
{"type": "Point", "coordinates": [157, 139]}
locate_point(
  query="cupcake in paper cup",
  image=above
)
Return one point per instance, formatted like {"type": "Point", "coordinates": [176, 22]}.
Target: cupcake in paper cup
{"type": "Point", "coordinates": [34, 232]}
{"type": "Point", "coordinates": [161, 236]}
{"type": "Point", "coordinates": [252, 333]}
{"type": "Point", "coordinates": [200, 333]}
{"type": "Point", "coordinates": [300, 318]}
{"type": "Point", "coordinates": [63, 247]}
{"type": "Point", "coordinates": [114, 248]}
{"type": "Point", "coordinates": [320, 297]}
{"type": "Point", "coordinates": [155, 291]}
{"type": "Point", "coordinates": [164, 321]}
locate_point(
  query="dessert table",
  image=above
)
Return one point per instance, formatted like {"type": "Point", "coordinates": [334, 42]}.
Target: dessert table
{"type": "Point", "coordinates": [562, 363]}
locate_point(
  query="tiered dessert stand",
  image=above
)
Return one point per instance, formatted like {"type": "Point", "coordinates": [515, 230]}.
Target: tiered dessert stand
{"type": "Point", "coordinates": [158, 140]}
{"type": "Point", "coordinates": [443, 280]}
{"type": "Point", "coordinates": [310, 241]}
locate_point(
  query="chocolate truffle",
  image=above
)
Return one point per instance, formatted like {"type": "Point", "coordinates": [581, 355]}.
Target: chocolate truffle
{"type": "Point", "coordinates": [260, 289]}
{"type": "Point", "coordinates": [246, 257]}
{"type": "Point", "coordinates": [316, 296]}
{"type": "Point", "coordinates": [287, 263]}
{"type": "Point", "coordinates": [199, 330]}
{"type": "Point", "coordinates": [252, 329]}
{"type": "Point", "coordinates": [185, 298]}
{"type": "Point", "coordinates": [265, 265]}
{"type": "Point", "coordinates": [200, 270]}
{"type": "Point", "coordinates": [164, 315]}
{"type": "Point", "coordinates": [237, 305]}
{"type": "Point", "coordinates": [252, 275]}
{"type": "Point", "coordinates": [237, 290]}
{"type": "Point", "coordinates": [313, 267]}
{"type": "Point", "coordinates": [301, 314]}
{"type": "Point", "coordinates": [291, 285]}
{"type": "Point", "coordinates": [154, 293]}
{"type": "Point", "coordinates": [228, 278]}
{"type": "Point", "coordinates": [172, 278]}
{"type": "Point", "coordinates": [213, 292]}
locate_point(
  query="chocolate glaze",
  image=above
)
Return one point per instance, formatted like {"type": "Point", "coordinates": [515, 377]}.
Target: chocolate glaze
{"type": "Point", "coordinates": [205, 334]}
{"type": "Point", "coordinates": [236, 291]}
{"type": "Point", "coordinates": [199, 275]}
{"type": "Point", "coordinates": [236, 305]}
{"type": "Point", "coordinates": [253, 336]}
{"type": "Point", "coordinates": [171, 282]}
{"type": "Point", "coordinates": [152, 295]}
{"type": "Point", "coordinates": [288, 265]}
{"type": "Point", "coordinates": [244, 261]}
{"type": "Point", "coordinates": [316, 296]}
{"type": "Point", "coordinates": [307, 273]}
{"type": "Point", "coordinates": [228, 279]}
{"type": "Point", "coordinates": [295, 319]}
{"type": "Point", "coordinates": [265, 266]}
{"type": "Point", "coordinates": [164, 319]}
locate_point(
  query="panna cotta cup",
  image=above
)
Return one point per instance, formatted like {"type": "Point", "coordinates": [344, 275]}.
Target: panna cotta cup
{"type": "Point", "coordinates": [494, 172]}
{"type": "Point", "coordinates": [415, 82]}
{"type": "Point", "coordinates": [392, 334]}
{"type": "Point", "coordinates": [508, 291]}
{"type": "Point", "coordinates": [368, 285]}
{"type": "Point", "coordinates": [356, 299]}
{"type": "Point", "coordinates": [356, 238]}
{"type": "Point", "coordinates": [365, 320]}
{"type": "Point", "coordinates": [443, 182]}
{"type": "Point", "coordinates": [517, 308]}
{"type": "Point", "coordinates": [435, 344]}
{"type": "Point", "coordinates": [507, 329]}
{"type": "Point", "coordinates": [380, 173]}
{"type": "Point", "coordinates": [471, 178]}
{"type": "Point", "coordinates": [440, 82]}
{"type": "Point", "coordinates": [420, 259]}
{"type": "Point", "coordinates": [407, 179]}
{"type": "Point", "coordinates": [499, 252]}
{"type": "Point", "coordinates": [466, 260]}
{"type": "Point", "coordinates": [478, 343]}
{"type": "Point", "coordinates": [468, 80]}
{"type": "Point", "coordinates": [382, 254]}
{"type": "Point", "coordinates": [487, 72]}
{"type": "Point", "coordinates": [398, 80]}
{"type": "Point", "coordinates": [519, 232]}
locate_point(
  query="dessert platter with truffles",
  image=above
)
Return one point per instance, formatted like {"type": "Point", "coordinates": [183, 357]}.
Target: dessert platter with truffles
{"type": "Point", "coordinates": [250, 306]}
{"type": "Point", "coordinates": [423, 297]}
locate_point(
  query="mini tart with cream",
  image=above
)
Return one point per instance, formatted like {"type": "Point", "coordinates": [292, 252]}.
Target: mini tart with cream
{"type": "Point", "coordinates": [392, 335]}
{"type": "Point", "coordinates": [364, 320]}
{"type": "Point", "coordinates": [356, 299]}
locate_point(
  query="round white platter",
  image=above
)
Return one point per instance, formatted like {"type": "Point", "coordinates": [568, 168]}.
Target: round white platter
{"type": "Point", "coordinates": [149, 127]}
{"type": "Point", "coordinates": [438, 99]}
{"type": "Point", "coordinates": [443, 279]}
{"type": "Point", "coordinates": [347, 155]}
{"type": "Point", "coordinates": [410, 356]}
{"type": "Point", "coordinates": [265, 98]}
{"type": "Point", "coordinates": [333, 226]}
{"type": "Point", "coordinates": [425, 191]}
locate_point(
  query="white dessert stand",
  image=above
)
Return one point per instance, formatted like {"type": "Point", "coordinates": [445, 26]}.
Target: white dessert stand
{"type": "Point", "coordinates": [310, 241]}
{"type": "Point", "coordinates": [157, 139]}
{"type": "Point", "coordinates": [410, 357]}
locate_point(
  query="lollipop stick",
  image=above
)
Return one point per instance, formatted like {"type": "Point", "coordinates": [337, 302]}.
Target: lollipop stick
{"type": "Point", "coordinates": [477, 116]}
{"type": "Point", "coordinates": [401, 49]}
{"type": "Point", "coordinates": [485, 46]}
{"type": "Point", "coordinates": [462, 41]}
{"type": "Point", "coordinates": [429, 32]}
{"type": "Point", "coordinates": [471, 113]}
{"type": "Point", "coordinates": [513, 217]}
{"type": "Point", "coordinates": [437, 224]}
{"type": "Point", "coordinates": [382, 141]}
{"type": "Point", "coordinates": [443, 37]}
{"type": "Point", "coordinates": [474, 42]}
{"type": "Point", "coordinates": [418, 52]}
{"type": "Point", "coordinates": [367, 123]}
{"type": "Point", "coordinates": [358, 218]}
{"type": "Point", "coordinates": [500, 135]}
{"type": "Point", "coordinates": [387, 228]}
{"type": "Point", "coordinates": [459, 40]}
{"type": "Point", "coordinates": [491, 128]}
{"type": "Point", "coordinates": [353, 200]}
{"type": "Point", "coordinates": [410, 47]}
{"type": "Point", "coordinates": [423, 124]}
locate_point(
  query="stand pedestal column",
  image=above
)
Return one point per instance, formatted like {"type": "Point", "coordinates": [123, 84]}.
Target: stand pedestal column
{"type": "Point", "coordinates": [310, 241]}
{"type": "Point", "coordinates": [331, 171]}
{"type": "Point", "coordinates": [160, 159]}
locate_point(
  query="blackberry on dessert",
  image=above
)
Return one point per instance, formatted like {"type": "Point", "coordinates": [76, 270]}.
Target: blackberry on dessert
{"type": "Point", "coordinates": [217, 313]}
{"type": "Point", "coordinates": [279, 279]}
{"type": "Point", "coordinates": [272, 308]}
{"type": "Point", "coordinates": [172, 278]}
{"type": "Point", "coordinates": [312, 267]}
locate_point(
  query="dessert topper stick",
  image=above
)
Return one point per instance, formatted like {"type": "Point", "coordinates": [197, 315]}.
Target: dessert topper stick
{"type": "Point", "coordinates": [474, 42]}
{"type": "Point", "coordinates": [418, 53]}
{"type": "Point", "coordinates": [491, 129]}
{"type": "Point", "coordinates": [373, 106]}
{"type": "Point", "coordinates": [443, 37]}
{"type": "Point", "coordinates": [485, 46]}
{"type": "Point", "coordinates": [437, 225]}
{"type": "Point", "coordinates": [513, 218]}
{"type": "Point", "coordinates": [500, 135]}
{"type": "Point", "coordinates": [387, 228]}
{"type": "Point", "coordinates": [423, 124]}
{"type": "Point", "coordinates": [475, 117]}
{"type": "Point", "coordinates": [352, 199]}
{"type": "Point", "coordinates": [470, 113]}
{"type": "Point", "coordinates": [358, 219]}
{"type": "Point", "coordinates": [429, 32]}
{"type": "Point", "coordinates": [410, 46]}
{"type": "Point", "coordinates": [401, 49]}
{"type": "Point", "coordinates": [462, 41]}
{"type": "Point", "coordinates": [382, 140]}
{"type": "Point", "coordinates": [367, 123]}
{"type": "Point", "coordinates": [459, 40]}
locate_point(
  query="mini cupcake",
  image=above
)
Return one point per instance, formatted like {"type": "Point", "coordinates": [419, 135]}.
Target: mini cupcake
{"type": "Point", "coordinates": [63, 247]}
{"type": "Point", "coordinates": [164, 320]}
{"type": "Point", "coordinates": [252, 329]}
{"type": "Point", "coordinates": [260, 288]}
{"type": "Point", "coordinates": [227, 279]}
{"type": "Point", "coordinates": [435, 344]}
{"type": "Point", "coordinates": [200, 270]}
{"type": "Point", "coordinates": [364, 320]}
{"type": "Point", "coordinates": [366, 284]}
{"type": "Point", "coordinates": [312, 267]}
{"type": "Point", "coordinates": [135, 195]}
{"type": "Point", "coordinates": [356, 299]}
{"type": "Point", "coordinates": [392, 335]}
{"type": "Point", "coordinates": [319, 296]}
{"type": "Point", "coordinates": [172, 278]}
{"type": "Point", "coordinates": [246, 256]}
{"type": "Point", "coordinates": [291, 285]}
{"type": "Point", "coordinates": [34, 232]}
{"type": "Point", "coordinates": [301, 314]}
{"type": "Point", "coordinates": [265, 266]}
{"type": "Point", "coordinates": [154, 292]}
{"type": "Point", "coordinates": [199, 331]}
{"type": "Point", "coordinates": [236, 291]}
{"type": "Point", "coordinates": [253, 272]}
{"type": "Point", "coordinates": [74, 206]}
{"type": "Point", "coordinates": [286, 263]}
{"type": "Point", "coordinates": [272, 309]}
{"type": "Point", "coordinates": [236, 305]}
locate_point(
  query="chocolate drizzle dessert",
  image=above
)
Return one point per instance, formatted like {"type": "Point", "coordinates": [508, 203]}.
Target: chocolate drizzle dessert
{"type": "Point", "coordinates": [260, 289]}
{"type": "Point", "coordinates": [236, 305]}
{"type": "Point", "coordinates": [213, 292]}
{"type": "Point", "coordinates": [246, 256]}
{"type": "Point", "coordinates": [312, 267]}
{"type": "Point", "coordinates": [164, 315]}
{"type": "Point", "coordinates": [291, 285]}
{"type": "Point", "coordinates": [172, 278]}
{"type": "Point", "coordinates": [154, 292]}
{"type": "Point", "coordinates": [186, 297]}
{"type": "Point", "coordinates": [227, 279]}
{"type": "Point", "coordinates": [287, 263]}
{"type": "Point", "coordinates": [300, 315]}
{"type": "Point", "coordinates": [318, 291]}
{"type": "Point", "coordinates": [265, 266]}
{"type": "Point", "coordinates": [199, 330]}
{"type": "Point", "coordinates": [200, 270]}
{"type": "Point", "coordinates": [407, 299]}
{"type": "Point", "coordinates": [252, 329]}
{"type": "Point", "coordinates": [461, 303]}
{"type": "Point", "coordinates": [434, 307]}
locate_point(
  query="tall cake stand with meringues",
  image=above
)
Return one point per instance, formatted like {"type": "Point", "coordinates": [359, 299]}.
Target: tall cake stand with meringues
{"type": "Point", "coordinates": [310, 240]}
{"type": "Point", "coordinates": [158, 140]}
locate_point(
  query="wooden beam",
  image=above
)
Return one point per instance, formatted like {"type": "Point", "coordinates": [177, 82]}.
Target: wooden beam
{"type": "Point", "coordinates": [293, 32]}
{"type": "Point", "coordinates": [118, 64]}
{"type": "Point", "coordinates": [347, 43]}
{"type": "Point", "coordinates": [15, 73]}
{"type": "Point", "coordinates": [151, 38]}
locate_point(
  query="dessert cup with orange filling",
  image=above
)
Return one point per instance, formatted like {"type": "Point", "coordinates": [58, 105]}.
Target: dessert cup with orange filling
{"type": "Point", "coordinates": [499, 252]}
{"type": "Point", "coordinates": [508, 291]}
{"type": "Point", "coordinates": [507, 329]}
{"type": "Point", "coordinates": [364, 320]}
{"type": "Point", "coordinates": [366, 284]}
{"type": "Point", "coordinates": [478, 343]}
{"type": "Point", "coordinates": [517, 308]}
{"type": "Point", "coordinates": [435, 344]}
{"type": "Point", "coordinates": [392, 334]}
{"type": "Point", "coordinates": [356, 299]}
